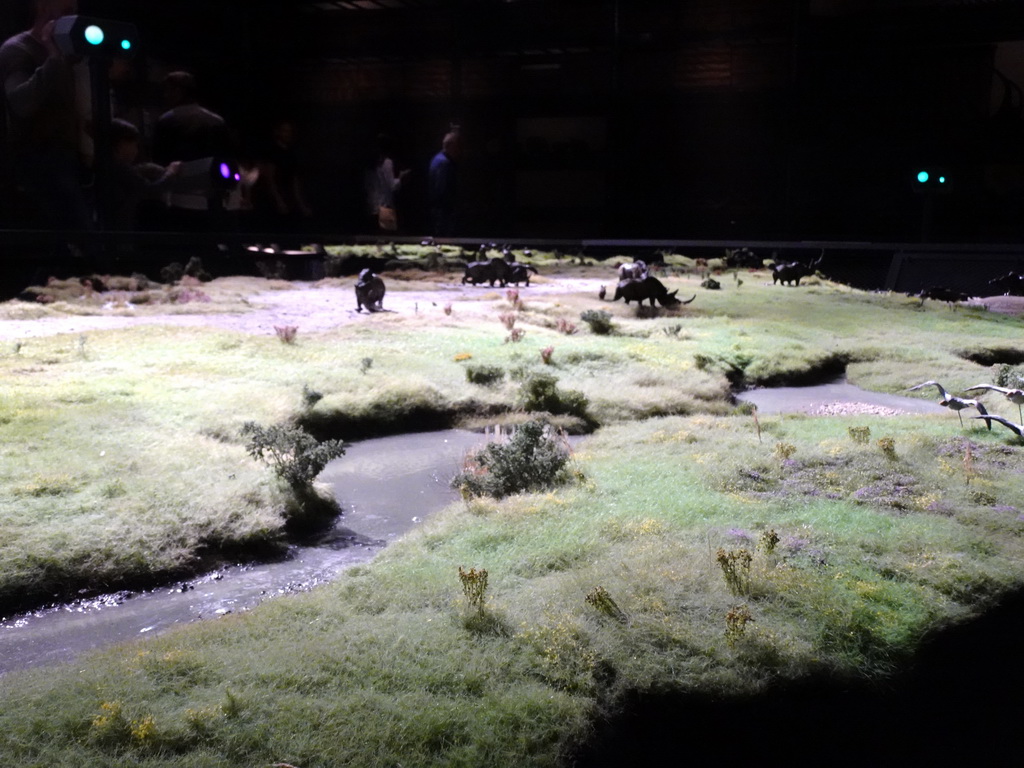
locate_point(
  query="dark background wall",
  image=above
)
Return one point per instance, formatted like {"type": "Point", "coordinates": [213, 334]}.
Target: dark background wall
{"type": "Point", "coordinates": [718, 119]}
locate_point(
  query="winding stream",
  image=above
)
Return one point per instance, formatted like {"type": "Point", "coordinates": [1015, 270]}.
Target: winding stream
{"type": "Point", "coordinates": [386, 486]}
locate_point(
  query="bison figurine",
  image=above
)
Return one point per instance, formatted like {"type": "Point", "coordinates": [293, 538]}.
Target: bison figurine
{"type": "Point", "coordinates": [649, 287]}
{"type": "Point", "coordinates": [791, 272]}
{"type": "Point", "coordinates": [369, 291]}
{"type": "Point", "coordinates": [492, 271]}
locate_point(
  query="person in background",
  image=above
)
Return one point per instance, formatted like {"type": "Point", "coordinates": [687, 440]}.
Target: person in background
{"type": "Point", "coordinates": [188, 131]}
{"type": "Point", "coordinates": [45, 128]}
{"type": "Point", "coordinates": [278, 198]}
{"type": "Point", "coordinates": [441, 189]}
{"type": "Point", "coordinates": [133, 183]}
{"type": "Point", "coordinates": [382, 185]}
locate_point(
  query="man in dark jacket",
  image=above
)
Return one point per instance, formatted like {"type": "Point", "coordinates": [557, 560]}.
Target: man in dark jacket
{"type": "Point", "coordinates": [441, 181]}
{"type": "Point", "coordinates": [44, 126]}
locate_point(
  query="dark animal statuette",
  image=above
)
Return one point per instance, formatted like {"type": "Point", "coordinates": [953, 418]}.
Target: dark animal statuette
{"type": "Point", "coordinates": [648, 288]}
{"type": "Point", "coordinates": [491, 271]}
{"type": "Point", "coordinates": [791, 272]}
{"type": "Point", "coordinates": [520, 273]}
{"type": "Point", "coordinates": [938, 293]}
{"type": "Point", "coordinates": [369, 291]}
{"type": "Point", "coordinates": [1010, 284]}
{"type": "Point", "coordinates": [743, 258]}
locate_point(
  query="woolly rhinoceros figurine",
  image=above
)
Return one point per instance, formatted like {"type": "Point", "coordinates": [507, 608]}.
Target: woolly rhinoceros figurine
{"type": "Point", "coordinates": [369, 291]}
{"type": "Point", "coordinates": [649, 287]}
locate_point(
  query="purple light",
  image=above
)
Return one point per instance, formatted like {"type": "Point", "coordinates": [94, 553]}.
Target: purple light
{"type": "Point", "coordinates": [238, 177]}
{"type": "Point", "coordinates": [225, 171]}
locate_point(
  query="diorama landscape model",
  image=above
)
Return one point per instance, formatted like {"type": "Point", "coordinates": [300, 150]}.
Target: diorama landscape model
{"type": "Point", "coordinates": [638, 533]}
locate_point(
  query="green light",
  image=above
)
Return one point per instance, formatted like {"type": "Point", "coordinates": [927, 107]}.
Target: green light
{"type": "Point", "coordinates": [126, 44]}
{"type": "Point", "coordinates": [922, 176]}
{"type": "Point", "coordinates": [93, 35]}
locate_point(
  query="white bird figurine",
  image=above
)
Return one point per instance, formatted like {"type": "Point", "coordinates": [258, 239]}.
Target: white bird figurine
{"type": "Point", "coordinates": [955, 403]}
{"type": "Point", "coordinates": [1013, 395]}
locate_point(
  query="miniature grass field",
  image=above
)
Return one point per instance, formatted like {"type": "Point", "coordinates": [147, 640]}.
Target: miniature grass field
{"type": "Point", "coordinates": [123, 463]}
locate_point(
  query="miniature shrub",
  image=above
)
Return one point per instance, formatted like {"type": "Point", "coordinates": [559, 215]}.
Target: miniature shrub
{"type": "Point", "coordinates": [485, 375]}
{"type": "Point", "coordinates": [600, 322]}
{"type": "Point", "coordinates": [530, 460]}
{"type": "Point", "coordinates": [540, 392]}
{"type": "Point", "coordinates": [295, 455]}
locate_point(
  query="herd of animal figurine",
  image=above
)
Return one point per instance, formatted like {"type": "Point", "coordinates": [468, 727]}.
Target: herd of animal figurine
{"type": "Point", "coordinates": [636, 283]}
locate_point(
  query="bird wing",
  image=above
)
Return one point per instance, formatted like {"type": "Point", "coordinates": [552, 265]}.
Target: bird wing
{"type": "Point", "coordinates": [942, 390]}
{"type": "Point", "coordinates": [993, 387]}
{"type": "Point", "coordinates": [1017, 428]}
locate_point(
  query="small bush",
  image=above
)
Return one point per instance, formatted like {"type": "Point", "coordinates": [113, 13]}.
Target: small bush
{"type": "Point", "coordinates": [474, 587]}
{"type": "Point", "coordinates": [736, 624]}
{"type": "Point", "coordinates": [600, 322]}
{"type": "Point", "coordinates": [295, 455]}
{"type": "Point", "coordinates": [1011, 376]}
{"type": "Point", "coordinates": [485, 375]}
{"type": "Point", "coordinates": [735, 565]}
{"type": "Point", "coordinates": [888, 447]}
{"type": "Point", "coordinates": [540, 392]}
{"type": "Point", "coordinates": [600, 599]}
{"type": "Point", "coordinates": [860, 435]}
{"type": "Point", "coordinates": [530, 460]}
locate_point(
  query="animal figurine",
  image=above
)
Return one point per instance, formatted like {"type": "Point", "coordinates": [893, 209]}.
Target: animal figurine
{"type": "Point", "coordinates": [791, 272]}
{"type": "Point", "coordinates": [1015, 396]}
{"type": "Point", "coordinates": [1017, 429]}
{"type": "Point", "coordinates": [1010, 284]}
{"type": "Point", "coordinates": [601, 293]}
{"type": "Point", "coordinates": [521, 273]}
{"type": "Point", "coordinates": [491, 271]}
{"type": "Point", "coordinates": [648, 288]}
{"type": "Point", "coordinates": [743, 258]}
{"type": "Point", "coordinates": [955, 403]}
{"type": "Point", "coordinates": [939, 293]}
{"type": "Point", "coordinates": [635, 271]}
{"type": "Point", "coordinates": [369, 291]}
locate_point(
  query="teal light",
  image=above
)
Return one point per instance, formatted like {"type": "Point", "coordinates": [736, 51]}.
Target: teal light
{"type": "Point", "coordinates": [922, 176]}
{"type": "Point", "coordinates": [942, 179]}
{"type": "Point", "coordinates": [126, 44]}
{"type": "Point", "coordinates": [93, 35]}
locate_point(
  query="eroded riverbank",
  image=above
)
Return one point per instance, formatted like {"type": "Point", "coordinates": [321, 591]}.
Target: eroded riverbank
{"type": "Point", "coordinates": [385, 486]}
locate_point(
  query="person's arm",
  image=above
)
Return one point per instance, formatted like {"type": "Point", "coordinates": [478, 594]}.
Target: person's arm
{"type": "Point", "coordinates": [26, 87]}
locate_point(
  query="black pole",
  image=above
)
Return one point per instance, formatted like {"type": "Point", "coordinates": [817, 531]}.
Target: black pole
{"type": "Point", "coordinates": [99, 80]}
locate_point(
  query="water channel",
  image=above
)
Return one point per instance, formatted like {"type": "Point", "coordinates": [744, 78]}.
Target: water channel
{"type": "Point", "coordinates": [386, 486]}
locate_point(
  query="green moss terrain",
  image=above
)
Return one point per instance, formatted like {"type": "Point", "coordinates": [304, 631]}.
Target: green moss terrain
{"type": "Point", "coordinates": [699, 549]}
